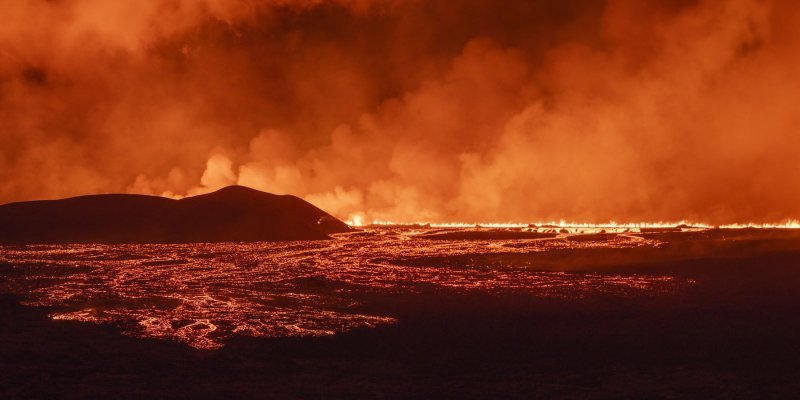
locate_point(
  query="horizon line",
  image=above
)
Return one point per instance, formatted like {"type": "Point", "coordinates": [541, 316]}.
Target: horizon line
{"type": "Point", "coordinates": [786, 224]}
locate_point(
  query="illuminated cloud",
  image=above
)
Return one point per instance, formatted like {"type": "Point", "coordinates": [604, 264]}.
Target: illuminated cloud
{"type": "Point", "coordinates": [411, 110]}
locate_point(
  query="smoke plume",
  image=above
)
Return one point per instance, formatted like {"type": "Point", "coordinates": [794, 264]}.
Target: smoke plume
{"type": "Point", "coordinates": [411, 110]}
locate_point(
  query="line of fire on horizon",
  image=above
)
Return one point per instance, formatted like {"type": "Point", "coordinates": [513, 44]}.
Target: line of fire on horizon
{"type": "Point", "coordinates": [358, 221]}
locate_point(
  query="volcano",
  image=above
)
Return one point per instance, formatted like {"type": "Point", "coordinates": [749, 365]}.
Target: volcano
{"type": "Point", "coordinates": [231, 214]}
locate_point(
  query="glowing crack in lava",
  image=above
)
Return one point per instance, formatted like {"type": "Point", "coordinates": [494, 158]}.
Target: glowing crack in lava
{"type": "Point", "coordinates": [201, 294]}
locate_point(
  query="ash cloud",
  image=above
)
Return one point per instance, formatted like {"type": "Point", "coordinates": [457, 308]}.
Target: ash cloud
{"type": "Point", "coordinates": [411, 110]}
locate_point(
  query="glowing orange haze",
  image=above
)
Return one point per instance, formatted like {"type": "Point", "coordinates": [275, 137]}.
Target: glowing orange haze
{"type": "Point", "coordinates": [412, 110]}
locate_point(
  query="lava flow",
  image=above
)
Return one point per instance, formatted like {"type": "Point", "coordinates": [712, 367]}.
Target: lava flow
{"type": "Point", "coordinates": [201, 294]}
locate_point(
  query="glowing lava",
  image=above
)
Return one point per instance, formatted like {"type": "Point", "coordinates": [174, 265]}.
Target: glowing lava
{"type": "Point", "coordinates": [358, 221]}
{"type": "Point", "coordinates": [201, 294]}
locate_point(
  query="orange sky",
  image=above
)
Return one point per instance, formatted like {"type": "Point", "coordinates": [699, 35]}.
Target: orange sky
{"type": "Point", "coordinates": [437, 110]}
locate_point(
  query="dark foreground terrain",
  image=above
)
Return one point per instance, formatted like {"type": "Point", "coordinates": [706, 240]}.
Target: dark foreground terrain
{"type": "Point", "coordinates": [731, 333]}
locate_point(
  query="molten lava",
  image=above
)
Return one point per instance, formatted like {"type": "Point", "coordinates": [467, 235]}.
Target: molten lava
{"type": "Point", "coordinates": [201, 294]}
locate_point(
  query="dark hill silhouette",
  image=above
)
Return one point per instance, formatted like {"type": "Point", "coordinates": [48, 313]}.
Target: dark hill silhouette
{"type": "Point", "coordinates": [232, 214]}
